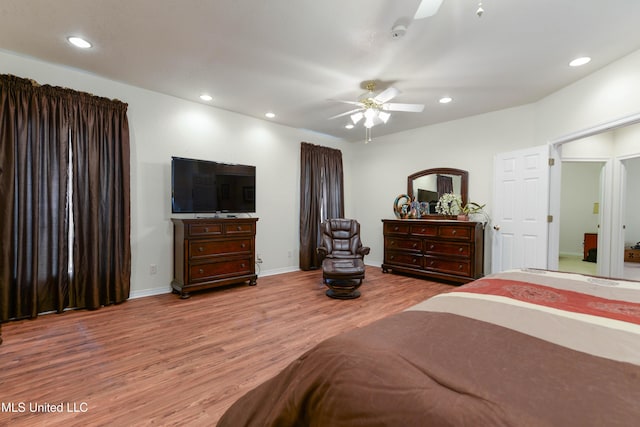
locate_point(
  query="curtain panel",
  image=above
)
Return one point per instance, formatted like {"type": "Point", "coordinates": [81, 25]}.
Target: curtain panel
{"type": "Point", "coordinates": [58, 148]}
{"type": "Point", "coordinates": [321, 197]}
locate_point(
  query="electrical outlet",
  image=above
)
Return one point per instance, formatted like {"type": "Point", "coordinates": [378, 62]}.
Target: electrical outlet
{"type": "Point", "coordinates": [153, 269]}
{"type": "Point", "coordinates": [258, 259]}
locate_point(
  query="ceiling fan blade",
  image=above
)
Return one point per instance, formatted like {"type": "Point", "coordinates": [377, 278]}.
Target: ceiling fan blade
{"type": "Point", "coordinates": [427, 8]}
{"type": "Point", "coordinates": [346, 102]}
{"type": "Point", "coordinates": [386, 95]}
{"type": "Point", "coordinates": [411, 108]}
{"type": "Point", "coordinates": [346, 113]}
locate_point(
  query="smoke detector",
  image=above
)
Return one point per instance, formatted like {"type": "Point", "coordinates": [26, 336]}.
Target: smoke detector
{"type": "Point", "coordinates": [398, 31]}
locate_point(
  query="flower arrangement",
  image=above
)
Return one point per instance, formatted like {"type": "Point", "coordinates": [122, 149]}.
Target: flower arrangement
{"type": "Point", "coordinates": [449, 204]}
{"type": "Point", "coordinates": [471, 208]}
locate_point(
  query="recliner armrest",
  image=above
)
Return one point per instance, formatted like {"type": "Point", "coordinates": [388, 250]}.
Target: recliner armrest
{"type": "Point", "coordinates": [322, 253]}
{"type": "Point", "coordinates": [364, 250]}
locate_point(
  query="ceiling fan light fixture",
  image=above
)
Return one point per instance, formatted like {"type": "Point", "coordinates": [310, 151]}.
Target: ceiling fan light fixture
{"type": "Point", "coordinates": [384, 116]}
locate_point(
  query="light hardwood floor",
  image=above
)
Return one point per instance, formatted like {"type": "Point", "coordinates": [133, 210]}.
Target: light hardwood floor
{"type": "Point", "coordinates": [161, 360]}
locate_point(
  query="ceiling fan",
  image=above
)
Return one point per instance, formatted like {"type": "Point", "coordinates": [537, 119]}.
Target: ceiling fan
{"type": "Point", "coordinates": [375, 109]}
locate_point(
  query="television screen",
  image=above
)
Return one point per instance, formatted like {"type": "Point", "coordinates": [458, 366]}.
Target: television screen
{"type": "Point", "coordinates": [201, 186]}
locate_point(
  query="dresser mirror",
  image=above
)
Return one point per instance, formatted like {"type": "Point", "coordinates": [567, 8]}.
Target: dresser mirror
{"type": "Point", "coordinates": [428, 185]}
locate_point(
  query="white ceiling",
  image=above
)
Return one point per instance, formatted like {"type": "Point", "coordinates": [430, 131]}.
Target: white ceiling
{"type": "Point", "coordinates": [292, 56]}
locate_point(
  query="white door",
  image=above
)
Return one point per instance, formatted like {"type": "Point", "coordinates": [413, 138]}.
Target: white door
{"type": "Point", "coordinates": [521, 206]}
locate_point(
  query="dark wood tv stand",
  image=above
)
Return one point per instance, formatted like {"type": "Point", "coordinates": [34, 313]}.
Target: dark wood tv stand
{"type": "Point", "coordinates": [211, 252]}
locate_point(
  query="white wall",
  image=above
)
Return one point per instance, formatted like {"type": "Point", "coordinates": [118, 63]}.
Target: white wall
{"type": "Point", "coordinates": [468, 144]}
{"type": "Point", "coordinates": [162, 126]}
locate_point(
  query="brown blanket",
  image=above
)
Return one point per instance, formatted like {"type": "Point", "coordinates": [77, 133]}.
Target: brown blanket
{"type": "Point", "coordinates": [438, 369]}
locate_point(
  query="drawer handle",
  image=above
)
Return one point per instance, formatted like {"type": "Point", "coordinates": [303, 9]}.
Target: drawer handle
{"type": "Point", "coordinates": [239, 228]}
{"type": "Point", "coordinates": [414, 260]}
{"type": "Point", "coordinates": [415, 245]}
{"type": "Point", "coordinates": [431, 262]}
{"type": "Point", "coordinates": [431, 246]}
{"type": "Point", "coordinates": [242, 265]}
{"type": "Point", "coordinates": [392, 257]}
{"type": "Point", "coordinates": [244, 246]}
{"type": "Point", "coordinates": [200, 249]}
{"type": "Point", "coordinates": [201, 271]}
{"type": "Point", "coordinates": [395, 228]}
{"type": "Point", "coordinates": [393, 243]}
{"type": "Point", "coordinates": [423, 230]}
{"type": "Point", "coordinates": [460, 249]}
{"type": "Point", "coordinates": [454, 232]}
{"type": "Point", "coordinates": [206, 229]}
{"type": "Point", "coordinates": [460, 267]}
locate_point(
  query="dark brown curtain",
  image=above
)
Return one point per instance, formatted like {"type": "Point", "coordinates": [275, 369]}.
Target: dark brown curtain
{"type": "Point", "coordinates": [444, 185]}
{"type": "Point", "coordinates": [101, 215]}
{"type": "Point", "coordinates": [33, 199]}
{"type": "Point", "coordinates": [38, 129]}
{"type": "Point", "coordinates": [321, 197]}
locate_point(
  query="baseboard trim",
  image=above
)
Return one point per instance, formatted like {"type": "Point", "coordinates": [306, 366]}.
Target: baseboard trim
{"type": "Point", "coordinates": [149, 292]}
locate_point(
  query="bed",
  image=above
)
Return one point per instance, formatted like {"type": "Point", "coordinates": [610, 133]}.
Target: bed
{"type": "Point", "coordinates": [517, 348]}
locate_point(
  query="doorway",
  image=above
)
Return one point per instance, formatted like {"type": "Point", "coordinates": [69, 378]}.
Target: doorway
{"type": "Point", "coordinates": [580, 193]}
{"type": "Point", "coordinates": [631, 223]}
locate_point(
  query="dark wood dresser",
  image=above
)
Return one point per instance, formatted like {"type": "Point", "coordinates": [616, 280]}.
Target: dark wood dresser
{"type": "Point", "coordinates": [449, 250]}
{"type": "Point", "coordinates": [212, 252]}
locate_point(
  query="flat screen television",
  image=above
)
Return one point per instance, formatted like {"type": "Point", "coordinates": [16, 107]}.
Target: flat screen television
{"type": "Point", "coordinates": [202, 186]}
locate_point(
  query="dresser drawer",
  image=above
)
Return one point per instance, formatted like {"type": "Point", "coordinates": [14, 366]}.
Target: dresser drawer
{"type": "Point", "coordinates": [220, 269]}
{"type": "Point", "coordinates": [204, 229]}
{"type": "Point", "coordinates": [399, 243]}
{"type": "Point", "coordinates": [455, 232]}
{"type": "Point", "coordinates": [447, 248]}
{"type": "Point", "coordinates": [246, 228]}
{"type": "Point", "coordinates": [424, 230]}
{"type": "Point", "coordinates": [403, 258]}
{"type": "Point", "coordinates": [396, 228]}
{"type": "Point", "coordinates": [462, 267]}
{"type": "Point", "coordinates": [207, 248]}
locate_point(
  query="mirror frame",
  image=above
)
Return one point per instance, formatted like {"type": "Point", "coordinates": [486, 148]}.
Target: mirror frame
{"type": "Point", "coordinates": [463, 174]}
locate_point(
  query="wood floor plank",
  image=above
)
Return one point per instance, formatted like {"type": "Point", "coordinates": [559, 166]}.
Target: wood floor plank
{"type": "Point", "coordinates": [161, 360]}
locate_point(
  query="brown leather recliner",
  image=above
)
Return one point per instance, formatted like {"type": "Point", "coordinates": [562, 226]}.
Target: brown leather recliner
{"type": "Point", "coordinates": [341, 253]}
{"type": "Point", "coordinates": [341, 239]}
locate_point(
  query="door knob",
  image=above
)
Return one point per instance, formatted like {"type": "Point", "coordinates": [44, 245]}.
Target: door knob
{"type": "Point", "coordinates": [496, 227]}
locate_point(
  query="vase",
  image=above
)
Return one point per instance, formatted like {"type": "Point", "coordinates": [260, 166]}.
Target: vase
{"type": "Point", "coordinates": [401, 207]}
{"type": "Point", "coordinates": [463, 217]}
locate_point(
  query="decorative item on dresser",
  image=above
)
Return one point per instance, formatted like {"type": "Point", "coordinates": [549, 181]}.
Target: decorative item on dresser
{"type": "Point", "coordinates": [441, 249]}
{"type": "Point", "coordinates": [211, 252]}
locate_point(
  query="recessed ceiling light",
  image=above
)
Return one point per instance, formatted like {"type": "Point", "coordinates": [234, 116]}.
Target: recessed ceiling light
{"type": "Point", "coordinates": [580, 61]}
{"type": "Point", "coordinates": [349, 126]}
{"type": "Point", "coordinates": [206, 97]}
{"type": "Point", "coordinates": [79, 42]}
{"type": "Point", "coordinates": [445, 100]}
{"type": "Point", "coordinates": [269, 115]}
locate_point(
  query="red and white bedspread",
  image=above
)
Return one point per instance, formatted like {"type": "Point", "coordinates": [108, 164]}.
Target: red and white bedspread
{"type": "Point", "coordinates": [589, 314]}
